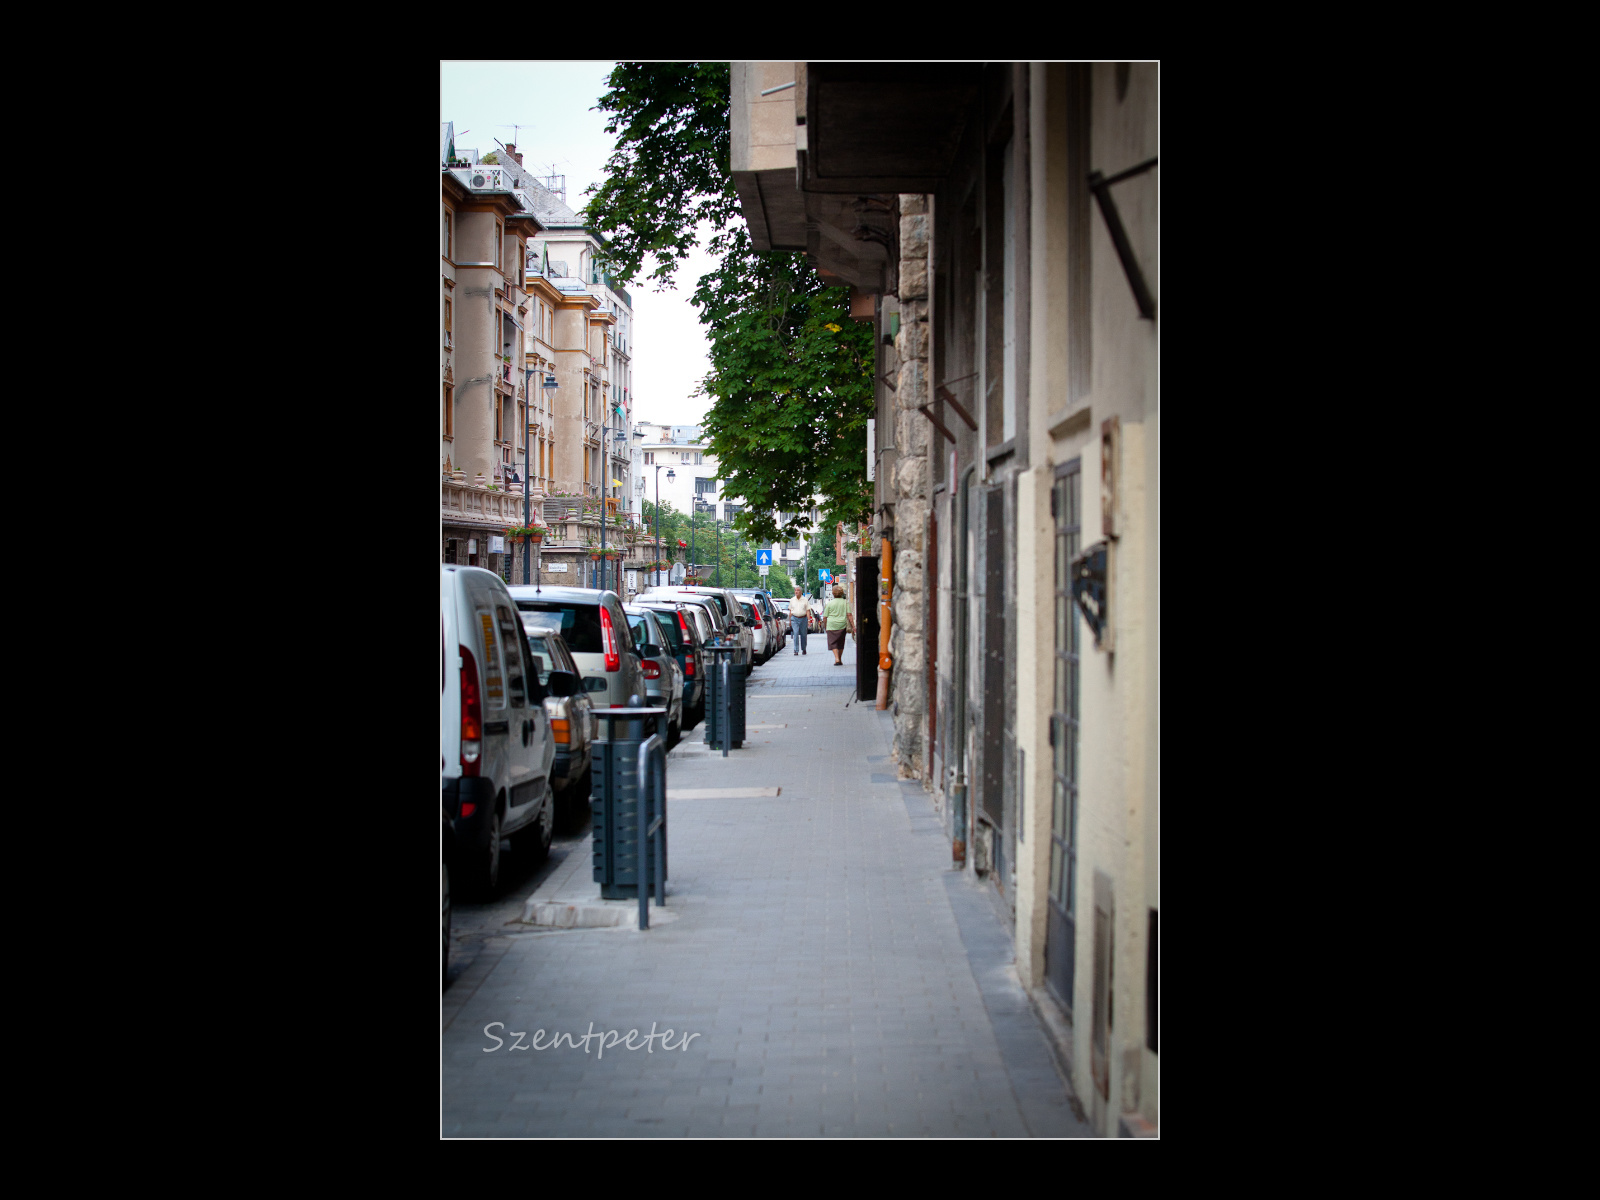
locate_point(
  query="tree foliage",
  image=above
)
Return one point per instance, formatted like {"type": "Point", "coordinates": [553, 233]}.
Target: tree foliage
{"type": "Point", "coordinates": [669, 172]}
{"type": "Point", "coordinates": [791, 375]}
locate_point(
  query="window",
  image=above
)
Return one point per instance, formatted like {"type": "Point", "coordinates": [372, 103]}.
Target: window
{"type": "Point", "coordinates": [702, 486]}
{"type": "Point", "coordinates": [447, 341]}
{"type": "Point", "coordinates": [449, 411]}
{"type": "Point", "coordinates": [649, 458]}
{"type": "Point", "coordinates": [683, 456]}
{"type": "Point", "coordinates": [449, 234]}
{"type": "Point", "coordinates": [499, 423]}
{"type": "Point", "coordinates": [1062, 914]}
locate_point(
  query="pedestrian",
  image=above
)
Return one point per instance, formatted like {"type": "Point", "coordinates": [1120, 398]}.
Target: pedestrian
{"type": "Point", "coordinates": [799, 615]}
{"type": "Point", "coordinates": [835, 620]}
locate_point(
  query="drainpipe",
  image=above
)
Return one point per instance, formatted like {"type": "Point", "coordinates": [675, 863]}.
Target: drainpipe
{"type": "Point", "coordinates": [885, 659]}
{"type": "Point", "coordinates": [958, 782]}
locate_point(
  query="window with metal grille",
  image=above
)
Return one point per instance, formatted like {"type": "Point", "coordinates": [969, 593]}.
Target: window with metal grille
{"type": "Point", "coordinates": [1061, 920]}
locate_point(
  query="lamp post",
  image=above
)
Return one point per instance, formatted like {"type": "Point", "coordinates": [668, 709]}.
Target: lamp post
{"type": "Point", "coordinates": [549, 384]}
{"type": "Point", "coordinates": [670, 478]}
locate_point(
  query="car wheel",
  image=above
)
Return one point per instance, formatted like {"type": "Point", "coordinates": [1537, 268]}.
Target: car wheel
{"type": "Point", "coordinates": [546, 831]}
{"type": "Point", "coordinates": [486, 870]}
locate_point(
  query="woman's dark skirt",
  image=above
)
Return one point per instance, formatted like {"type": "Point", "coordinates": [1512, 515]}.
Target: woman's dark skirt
{"type": "Point", "coordinates": [836, 639]}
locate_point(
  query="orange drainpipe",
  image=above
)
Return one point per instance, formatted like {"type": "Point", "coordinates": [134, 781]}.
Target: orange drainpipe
{"type": "Point", "coordinates": [885, 660]}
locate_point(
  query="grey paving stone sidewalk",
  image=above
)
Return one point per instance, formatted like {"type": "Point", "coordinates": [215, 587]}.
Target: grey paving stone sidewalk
{"type": "Point", "coordinates": [830, 973]}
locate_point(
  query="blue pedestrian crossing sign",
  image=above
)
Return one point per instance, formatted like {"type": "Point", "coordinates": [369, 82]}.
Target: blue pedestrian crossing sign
{"type": "Point", "coordinates": [763, 558]}
{"type": "Point", "coordinates": [824, 574]}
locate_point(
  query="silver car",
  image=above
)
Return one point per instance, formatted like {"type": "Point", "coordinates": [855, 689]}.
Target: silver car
{"type": "Point", "coordinates": [595, 630]}
{"type": "Point", "coordinates": [663, 677]}
{"type": "Point", "coordinates": [572, 719]}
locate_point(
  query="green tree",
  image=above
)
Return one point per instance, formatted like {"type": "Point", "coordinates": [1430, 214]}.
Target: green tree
{"type": "Point", "coordinates": [791, 375]}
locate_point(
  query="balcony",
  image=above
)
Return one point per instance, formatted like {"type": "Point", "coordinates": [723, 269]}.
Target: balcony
{"type": "Point", "coordinates": [463, 503]}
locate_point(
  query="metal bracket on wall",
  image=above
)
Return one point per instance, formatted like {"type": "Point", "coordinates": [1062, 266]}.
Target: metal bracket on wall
{"type": "Point", "coordinates": [1101, 187]}
{"type": "Point", "coordinates": [937, 424]}
{"type": "Point", "coordinates": [949, 397]}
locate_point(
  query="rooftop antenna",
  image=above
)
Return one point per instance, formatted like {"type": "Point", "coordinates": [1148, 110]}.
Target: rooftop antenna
{"type": "Point", "coordinates": [555, 183]}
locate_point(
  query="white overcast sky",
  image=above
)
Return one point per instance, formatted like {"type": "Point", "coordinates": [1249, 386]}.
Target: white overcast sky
{"type": "Point", "coordinates": [560, 134]}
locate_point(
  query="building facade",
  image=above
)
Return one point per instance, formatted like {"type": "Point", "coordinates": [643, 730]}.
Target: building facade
{"type": "Point", "coordinates": [483, 236]}
{"type": "Point", "coordinates": [552, 346]}
{"type": "Point", "coordinates": [998, 224]}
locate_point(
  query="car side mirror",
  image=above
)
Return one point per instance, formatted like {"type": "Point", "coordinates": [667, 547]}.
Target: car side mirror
{"type": "Point", "coordinates": [563, 683]}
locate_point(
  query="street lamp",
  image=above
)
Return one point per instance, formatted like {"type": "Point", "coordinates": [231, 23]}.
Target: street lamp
{"type": "Point", "coordinates": [670, 478]}
{"type": "Point", "coordinates": [549, 385]}
{"type": "Point", "coordinates": [605, 488]}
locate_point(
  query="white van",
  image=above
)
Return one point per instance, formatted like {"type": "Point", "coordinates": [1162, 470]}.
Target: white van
{"type": "Point", "coordinates": [495, 744]}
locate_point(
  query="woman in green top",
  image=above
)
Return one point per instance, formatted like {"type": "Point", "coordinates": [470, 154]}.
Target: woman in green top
{"type": "Point", "coordinates": [835, 620]}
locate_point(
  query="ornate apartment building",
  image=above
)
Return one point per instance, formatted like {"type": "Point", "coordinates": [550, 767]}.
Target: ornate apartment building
{"type": "Point", "coordinates": [536, 364]}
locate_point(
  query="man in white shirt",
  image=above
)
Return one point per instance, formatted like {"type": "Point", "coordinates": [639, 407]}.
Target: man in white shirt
{"type": "Point", "coordinates": [799, 615]}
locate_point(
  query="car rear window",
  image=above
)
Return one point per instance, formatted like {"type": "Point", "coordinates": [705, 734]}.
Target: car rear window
{"type": "Point", "coordinates": [542, 655]}
{"type": "Point", "coordinates": [580, 623]}
{"type": "Point", "coordinates": [668, 623]}
{"type": "Point", "coordinates": [638, 625]}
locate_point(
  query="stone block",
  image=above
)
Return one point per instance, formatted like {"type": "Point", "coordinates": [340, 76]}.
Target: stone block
{"type": "Point", "coordinates": [912, 203]}
{"type": "Point", "coordinates": [913, 238]}
{"type": "Point", "coordinates": [913, 276]}
{"type": "Point", "coordinates": [911, 475]}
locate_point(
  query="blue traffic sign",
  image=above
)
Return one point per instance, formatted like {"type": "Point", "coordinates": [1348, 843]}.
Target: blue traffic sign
{"type": "Point", "coordinates": [763, 558]}
{"type": "Point", "coordinates": [824, 574]}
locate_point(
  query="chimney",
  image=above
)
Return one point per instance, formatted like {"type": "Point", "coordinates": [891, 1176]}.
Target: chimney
{"type": "Point", "coordinates": [511, 149]}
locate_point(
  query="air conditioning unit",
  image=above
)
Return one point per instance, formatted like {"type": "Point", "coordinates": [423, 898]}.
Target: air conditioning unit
{"type": "Point", "coordinates": [486, 179]}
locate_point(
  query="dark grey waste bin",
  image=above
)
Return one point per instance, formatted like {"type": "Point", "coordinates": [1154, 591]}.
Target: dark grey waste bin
{"type": "Point", "coordinates": [735, 699]}
{"type": "Point", "coordinates": [614, 802]}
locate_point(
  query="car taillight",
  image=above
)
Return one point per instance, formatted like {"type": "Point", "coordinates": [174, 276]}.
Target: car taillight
{"type": "Point", "coordinates": [562, 731]}
{"type": "Point", "coordinates": [613, 659]}
{"type": "Point", "coordinates": [652, 670]}
{"type": "Point", "coordinates": [688, 665]}
{"type": "Point", "coordinates": [756, 612]}
{"type": "Point", "coordinates": [471, 715]}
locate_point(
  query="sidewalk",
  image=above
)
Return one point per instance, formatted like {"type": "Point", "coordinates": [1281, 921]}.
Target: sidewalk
{"type": "Point", "coordinates": [837, 977]}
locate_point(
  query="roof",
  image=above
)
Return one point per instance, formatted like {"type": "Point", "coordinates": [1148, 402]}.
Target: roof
{"type": "Point", "coordinates": [541, 201]}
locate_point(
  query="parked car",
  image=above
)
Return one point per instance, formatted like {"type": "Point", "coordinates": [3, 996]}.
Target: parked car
{"type": "Point", "coordinates": [760, 630]}
{"type": "Point", "coordinates": [446, 849]}
{"type": "Point", "coordinates": [715, 630]}
{"type": "Point", "coordinates": [736, 626]}
{"type": "Point", "coordinates": [572, 718]}
{"type": "Point", "coordinates": [663, 677]}
{"type": "Point", "coordinates": [496, 749]}
{"type": "Point", "coordinates": [680, 625]}
{"type": "Point", "coordinates": [595, 630]}
{"type": "Point", "coordinates": [771, 618]}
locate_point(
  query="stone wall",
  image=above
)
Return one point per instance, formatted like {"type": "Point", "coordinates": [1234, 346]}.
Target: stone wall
{"type": "Point", "coordinates": [913, 435]}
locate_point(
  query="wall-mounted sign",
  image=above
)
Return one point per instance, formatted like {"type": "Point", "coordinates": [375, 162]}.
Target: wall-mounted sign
{"type": "Point", "coordinates": [872, 446]}
{"type": "Point", "coordinates": [556, 568]}
{"type": "Point", "coordinates": [472, 545]}
{"type": "Point", "coordinates": [497, 543]}
{"type": "Point", "coordinates": [1091, 589]}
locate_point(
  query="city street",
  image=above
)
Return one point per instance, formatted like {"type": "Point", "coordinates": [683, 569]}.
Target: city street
{"type": "Point", "coordinates": [822, 969]}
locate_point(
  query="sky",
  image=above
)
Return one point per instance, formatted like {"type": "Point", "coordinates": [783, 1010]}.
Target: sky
{"type": "Point", "coordinates": [559, 133]}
